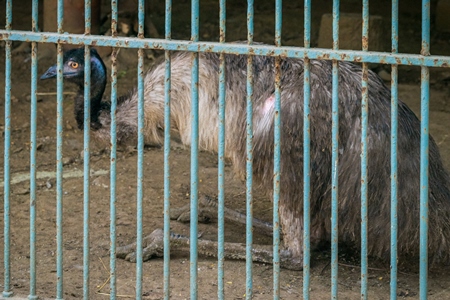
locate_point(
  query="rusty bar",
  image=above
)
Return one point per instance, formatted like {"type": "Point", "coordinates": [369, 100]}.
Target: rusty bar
{"type": "Point", "coordinates": [167, 86]}
{"type": "Point", "coordinates": [277, 154]}
{"type": "Point", "coordinates": [140, 158]}
{"type": "Point", "coordinates": [254, 49]}
{"type": "Point", "coordinates": [33, 149]}
{"type": "Point", "coordinates": [394, 168]}
{"type": "Point", "coordinates": [249, 153]}
{"type": "Point", "coordinates": [221, 163]}
{"type": "Point", "coordinates": [195, 9]}
{"type": "Point", "coordinates": [335, 157]}
{"type": "Point", "coordinates": [113, 159]}
{"type": "Point", "coordinates": [424, 151]}
{"type": "Point", "coordinates": [6, 169]}
{"type": "Point", "coordinates": [86, 152]}
{"type": "Point", "coordinates": [307, 157]}
{"type": "Point", "coordinates": [59, 160]}
{"type": "Point", "coordinates": [364, 150]}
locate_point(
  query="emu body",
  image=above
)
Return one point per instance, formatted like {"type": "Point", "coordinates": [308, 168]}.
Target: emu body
{"type": "Point", "coordinates": [291, 195]}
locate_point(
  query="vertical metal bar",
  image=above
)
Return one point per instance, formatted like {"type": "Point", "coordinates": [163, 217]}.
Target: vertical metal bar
{"type": "Point", "coordinates": [113, 158]}
{"type": "Point", "coordinates": [194, 152]}
{"type": "Point", "coordinates": [306, 156]}
{"type": "Point", "coordinates": [33, 146]}
{"type": "Point", "coordinates": [277, 153]}
{"type": "Point", "coordinates": [249, 164]}
{"type": "Point", "coordinates": [167, 87]}
{"type": "Point", "coordinates": [140, 160]}
{"type": "Point", "coordinates": [140, 173]}
{"type": "Point", "coordinates": [6, 177]}
{"type": "Point", "coordinates": [364, 206]}
{"type": "Point", "coordinates": [335, 158]}
{"type": "Point", "coordinates": [424, 183]}
{"type": "Point", "coordinates": [59, 162]}
{"type": "Point", "coordinates": [424, 140]}
{"type": "Point", "coordinates": [307, 24]}
{"type": "Point", "coordinates": [364, 148]}
{"type": "Point", "coordinates": [86, 150]}
{"type": "Point", "coordinates": [221, 163]}
{"type": "Point", "coordinates": [394, 131]}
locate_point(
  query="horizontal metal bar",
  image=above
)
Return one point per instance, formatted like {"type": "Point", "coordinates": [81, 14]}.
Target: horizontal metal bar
{"type": "Point", "coordinates": [233, 48]}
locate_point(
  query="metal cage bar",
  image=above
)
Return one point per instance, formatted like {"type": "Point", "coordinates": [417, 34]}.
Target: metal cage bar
{"type": "Point", "coordinates": [113, 158]}
{"type": "Point", "coordinates": [59, 161]}
{"type": "Point", "coordinates": [221, 162]}
{"type": "Point", "coordinates": [394, 168]}
{"type": "Point", "coordinates": [140, 159]}
{"type": "Point", "coordinates": [424, 151]}
{"type": "Point", "coordinates": [335, 157]}
{"type": "Point", "coordinates": [33, 149]}
{"type": "Point", "coordinates": [277, 154]}
{"type": "Point", "coordinates": [195, 9]}
{"type": "Point", "coordinates": [86, 152]}
{"type": "Point", "coordinates": [364, 150]}
{"type": "Point", "coordinates": [6, 168]}
{"type": "Point", "coordinates": [306, 156]}
{"type": "Point", "coordinates": [254, 49]}
{"type": "Point", "coordinates": [167, 86]}
{"type": "Point", "coordinates": [86, 170]}
{"type": "Point", "coordinates": [249, 151]}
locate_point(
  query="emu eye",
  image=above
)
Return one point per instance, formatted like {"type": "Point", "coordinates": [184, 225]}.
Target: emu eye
{"type": "Point", "coordinates": [73, 65]}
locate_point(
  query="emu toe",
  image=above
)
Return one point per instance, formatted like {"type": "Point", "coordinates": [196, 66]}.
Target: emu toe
{"type": "Point", "coordinates": [153, 247]}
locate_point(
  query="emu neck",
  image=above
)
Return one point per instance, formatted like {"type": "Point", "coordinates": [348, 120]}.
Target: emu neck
{"type": "Point", "coordinates": [97, 89]}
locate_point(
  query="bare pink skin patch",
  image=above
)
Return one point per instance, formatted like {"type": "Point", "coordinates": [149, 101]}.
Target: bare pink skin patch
{"type": "Point", "coordinates": [268, 104]}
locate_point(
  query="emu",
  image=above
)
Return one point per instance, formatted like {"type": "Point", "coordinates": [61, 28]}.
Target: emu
{"type": "Point", "coordinates": [291, 204]}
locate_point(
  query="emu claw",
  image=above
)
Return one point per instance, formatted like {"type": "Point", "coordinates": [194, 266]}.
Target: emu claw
{"type": "Point", "coordinates": [153, 246]}
{"type": "Point", "coordinates": [181, 214]}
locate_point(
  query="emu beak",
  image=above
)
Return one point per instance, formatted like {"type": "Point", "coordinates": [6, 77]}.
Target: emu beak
{"type": "Point", "coordinates": [51, 73]}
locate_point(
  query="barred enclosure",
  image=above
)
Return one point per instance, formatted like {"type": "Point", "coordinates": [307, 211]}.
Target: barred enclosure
{"type": "Point", "coordinates": [215, 126]}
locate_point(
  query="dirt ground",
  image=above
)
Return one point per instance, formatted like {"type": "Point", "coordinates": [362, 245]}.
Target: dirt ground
{"type": "Point", "coordinates": [291, 281]}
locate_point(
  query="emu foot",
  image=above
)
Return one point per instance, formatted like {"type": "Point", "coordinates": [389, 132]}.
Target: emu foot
{"type": "Point", "coordinates": [287, 261]}
{"type": "Point", "coordinates": [207, 208]}
{"type": "Point", "coordinates": [153, 247]}
{"type": "Point", "coordinates": [183, 214]}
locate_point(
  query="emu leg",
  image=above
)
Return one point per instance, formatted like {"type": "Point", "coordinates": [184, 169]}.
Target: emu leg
{"type": "Point", "coordinates": [154, 245]}
{"type": "Point", "coordinates": [208, 207]}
